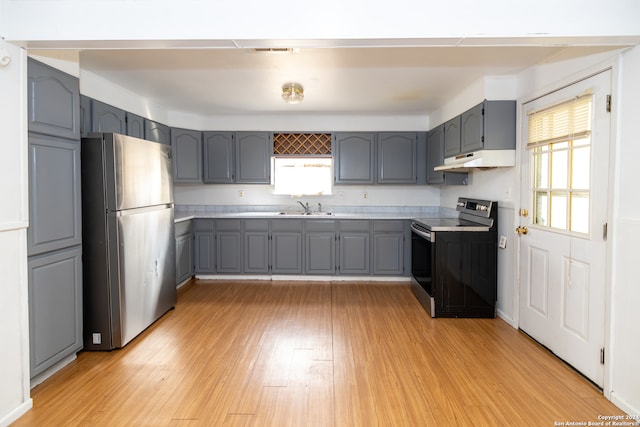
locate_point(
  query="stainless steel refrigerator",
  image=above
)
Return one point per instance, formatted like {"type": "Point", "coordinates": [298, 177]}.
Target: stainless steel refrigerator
{"type": "Point", "coordinates": [128, 237]}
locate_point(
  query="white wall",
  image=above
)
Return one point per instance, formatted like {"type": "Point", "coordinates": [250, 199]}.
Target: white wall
{"type": "Point", "coordinates": [14, 329]}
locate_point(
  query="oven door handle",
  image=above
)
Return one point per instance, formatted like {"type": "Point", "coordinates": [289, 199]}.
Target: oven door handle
{"type": "Point", "coordinates": [424, 235]}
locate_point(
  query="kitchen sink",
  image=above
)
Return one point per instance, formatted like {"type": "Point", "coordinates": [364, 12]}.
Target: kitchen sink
{"type": "Point", "coordinates": [305, 213]}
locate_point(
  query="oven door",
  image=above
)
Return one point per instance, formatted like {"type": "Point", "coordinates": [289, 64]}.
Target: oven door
{"type": "Point", "coordinates": [422, 256]}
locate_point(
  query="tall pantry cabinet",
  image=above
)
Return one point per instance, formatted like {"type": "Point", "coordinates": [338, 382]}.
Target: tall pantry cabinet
{"type": "Point", "coordinates": [54, 240]}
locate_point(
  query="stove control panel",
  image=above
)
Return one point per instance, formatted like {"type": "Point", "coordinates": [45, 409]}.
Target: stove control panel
{"type": "Point", "coordinates": [474, 207]}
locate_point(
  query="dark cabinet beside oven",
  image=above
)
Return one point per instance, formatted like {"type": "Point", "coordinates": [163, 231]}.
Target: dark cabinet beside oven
{"type": "Point", "coordinates": [465, 274]}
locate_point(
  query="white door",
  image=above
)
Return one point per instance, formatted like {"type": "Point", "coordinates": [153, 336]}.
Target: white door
{"type": "Point", "coordinates": [563, 253]}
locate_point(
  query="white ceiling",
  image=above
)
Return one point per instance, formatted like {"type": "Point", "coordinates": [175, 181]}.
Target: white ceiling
{"type": "Point", "coordinates": [375, 80]}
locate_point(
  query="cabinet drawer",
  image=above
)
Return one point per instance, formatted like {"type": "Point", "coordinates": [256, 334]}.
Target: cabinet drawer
{"type": "Point", "coordinates": [256, 225]}
{"type": "Point", "coordinates": [228, 225]}
{"type": "Point", "coordinates": [320, 225]}
{"type": "Point", "coordinates": [355, 225]}
{"type": "Point", "coordinates": [204, 225]}
{"type": "Point", "coordinates": [388, 225]}
{"type": "Point", "coordinates": [286, 225]}
{"type": "Point", "coordinates": [183, 228]}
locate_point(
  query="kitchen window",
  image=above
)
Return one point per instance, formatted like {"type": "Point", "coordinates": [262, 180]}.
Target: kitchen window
{"type": "Point", "coordinates": [560, 143]}
{"type": "Point", "coordinates": [302, 176]}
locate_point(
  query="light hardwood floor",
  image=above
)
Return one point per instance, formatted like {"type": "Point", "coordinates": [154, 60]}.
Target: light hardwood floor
{"type": "Point", "coordinates": [316, 354]}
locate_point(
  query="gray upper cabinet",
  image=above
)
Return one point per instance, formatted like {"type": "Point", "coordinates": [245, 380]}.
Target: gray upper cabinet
{"type": "Point", "coordinates": [85, 115]}
{"type": "Point", "coordinates": [157, 132]}
{"type": "Point", "coordinates": [55, 307]}
{"type": "Point", "coordinates": [354, 157]}
{"type": "Point", "coordinates": [187, 155]}
{"type": "Point", "coordinates": [490, 125]}
{"type": "Point", "coordinates": [452, 137]}
{"type": "Point", "coordinates": [218, 150]}
{"type": "Point", "coordinates": [135, 125]}
{"type": "Point", "coordinates": [435, 155]}
{"type": "Point", "coordinates": [397, 160]}
{"type": "Point", "coordinates": [54, 101]}
{"type": "Point", "coordinates": [107, 118]}
{"type": "Point", "coordinates": [253, 157]}
{"type": "Point", "coordinates": [54, 194]}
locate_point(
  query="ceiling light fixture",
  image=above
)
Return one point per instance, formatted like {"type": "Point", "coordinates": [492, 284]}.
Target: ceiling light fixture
{"type": "Point", "coordinates": [292, 93]}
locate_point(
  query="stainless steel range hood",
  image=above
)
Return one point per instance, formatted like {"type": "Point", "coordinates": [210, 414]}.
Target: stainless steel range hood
{"type": "Point", "coordinates": [479, 159]}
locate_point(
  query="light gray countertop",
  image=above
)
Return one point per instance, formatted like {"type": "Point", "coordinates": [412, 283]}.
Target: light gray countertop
{"type": "Point", "coordinates": [183, 213]}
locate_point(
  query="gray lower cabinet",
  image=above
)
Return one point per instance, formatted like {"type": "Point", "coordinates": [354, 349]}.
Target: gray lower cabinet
{"type": "Point", "coordinates": [256, 246]}
{"type": "Point", "coordinates": [204, 246]}
{"type": "Point", "coordinates": [228, 246]}
{"type": "Point", "coordinates": [388, 247]}
{"type": "Point", "coordinates": [320, 247]}
{"type": "Point", "coordinates": [187, 155]}
{"type": "Point", "coordinates": [157, 132]}
{"type": "Point", "coordinates": [184, 251]}
{"type": "Point", "coordinates": [218, 151]}
{"type": "Point", "coordinates": [354, 242]}
{"type": "Point", "coordinates": [135, 125]}
{"type": "Point", "coordinates": [54, 194]}
{"type": "Point", "coordinates": [107, 118]}
{"type": "Point", "coordinates": [54, 101]}
{"type": "Point", "coordinates": [397, 158]}
{"type": "Point", "coordinates": [286, 246]}
{"type": "Point", "coordinates": [55, 307]}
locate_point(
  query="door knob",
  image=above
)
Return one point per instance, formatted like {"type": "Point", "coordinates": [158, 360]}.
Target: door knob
{"type": "Point", "coordinates": [522, 230]}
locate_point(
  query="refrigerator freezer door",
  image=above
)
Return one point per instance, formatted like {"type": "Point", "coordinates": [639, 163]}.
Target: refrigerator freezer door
{"type": "Point", "coordinates": [142, 172]}
{"type": "Point", "coordinates": [147, 278]}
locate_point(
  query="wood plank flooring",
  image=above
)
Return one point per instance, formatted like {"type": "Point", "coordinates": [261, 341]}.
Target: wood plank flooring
{"type": "Point", "coordinates": [316, 354]}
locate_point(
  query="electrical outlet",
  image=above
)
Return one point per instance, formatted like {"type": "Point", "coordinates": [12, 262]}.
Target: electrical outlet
{"type": "Point", "coordinates": [97, 338]}
{"type": "Point", "coordinates": [365, 195]}
{"type": "Point", "coordinates": [503, 242]}
{"type": "Point", "coordinates": [341, 194]}
{"type": "Point", "coordinates": [241, 194]}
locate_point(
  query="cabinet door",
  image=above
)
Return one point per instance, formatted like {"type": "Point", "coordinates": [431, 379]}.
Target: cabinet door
{"type": "Point", "coordinates": [107, 118]}
{"type": "Point", "coordinates": [320, 253]}
{"type": "Point", "coordinates": [187, 155]}
{"type": "Point", "coordinates": [472, 129]}
{"type": "Point", "coordinates": [53, 101]}
{"type": "Point", "coordinates": [54, 194]}
{"type": "Point", "coordinates": [184, 258]}
{"type": "Point", "coordinates": [452, 137]}
{"type": "Point", "coordinates": [388, 253]}
{"type": "Point", "coordinates": [253, 157]}
{"type": "Point", "coordinates": [55, 308]}
{"type": "Point", "coordinates": [204, 248]}
{"type": "Point", "coordinates": [354, 252]}
{"type": "Point", "coordinates": [135, 125]}
{"type": "Point", "coordinates": [228, 252]}
{"type": "Point", "coordinates": [256, 252]}
{"type": "Point", "coordinates": [354, 157]}
{"type": "Point", "coordinates": [435, 155]}
{"type": "Point", "coordinates": [397, 158]}
{"type": "Point", "coordinates": [219, 163]}
{"type": "Point", "coordinates": [157, 132]}
{"type": "Point", "coordinates": [85, 115]}
{"type": "Point", "coordinates": [286, 252]}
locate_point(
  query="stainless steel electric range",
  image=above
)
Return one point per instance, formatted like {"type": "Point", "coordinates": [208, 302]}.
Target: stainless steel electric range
{"type": "Point", "coordinates": [454, 260]}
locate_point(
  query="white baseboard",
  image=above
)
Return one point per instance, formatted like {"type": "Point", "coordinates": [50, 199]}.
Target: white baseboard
{"type": "Point", "coordinates": [16, 413]}
{"type": "Point", "coordinates": [40, 378]}
{"type": "Point", "coordinates": [306, 278]}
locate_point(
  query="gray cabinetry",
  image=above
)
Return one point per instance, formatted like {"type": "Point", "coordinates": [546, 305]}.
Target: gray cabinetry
{"type": "Point", "coordinates": [452, 137]}
{"type": "Point", "coordinates": [218, 150]}
{"type": "Point", "coordinates": [320, 247]}
{"type": "Point", "coordinates": [286, 246]}
{"type": "Point", "coordinates": [85, 115]}
{"type": "Point", "coordinates": [184, 250]}
{"type": "Point", "coordinates": [354, 247]}
{"type": "Point", "coordinates": [388, 247]}
{"type": "Point", "coordinates": [107, 118]}
{"type": "Point", "coordinates": [256, 246]}
{"type": "Point", "coordinates": [135, 125]}
{"type": "Point", "coordinates": [396, 152]}
{"type": "Point", "coordinates": [354, 157]}
{"type": "Point", "coordinates": [435, 157]}
{"type": "Point", "coordinates": [187, 155]}
{"type": "Point", "coordinates": [253, 154]}
{"type": "Point", "coordinates": [54, 98]}
{"type": "Point", "coordinates": [55, 307]}
{"type": "Point", "coordinates": [228, 246]}
{"type": "Point", "coordinates": [204, 246]}
{"type": "Point", "coordinates": [490, 125]}
{"type": "Point", "coordinates": [54, 194]}
{"type": "Point", "coordinates": [157, 132]}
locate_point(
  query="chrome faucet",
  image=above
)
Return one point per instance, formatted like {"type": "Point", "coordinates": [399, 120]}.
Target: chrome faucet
{"type": "Point", "coordinates": [304, 206]}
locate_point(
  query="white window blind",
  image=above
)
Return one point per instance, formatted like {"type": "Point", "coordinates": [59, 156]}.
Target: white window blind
{"type": "Point", "coordinates": [570, 120]}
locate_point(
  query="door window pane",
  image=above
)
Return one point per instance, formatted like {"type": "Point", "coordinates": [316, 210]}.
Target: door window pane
{"type": "Point", "coordinates": [559, 210]}
{"type": "Point", "coordinates": [580, 168]}
{"type": "Point", "coordinates": [580, 212]}
{"type": "Point", "coordinates": [559, 171]}
{"type": "Point", "coordinates": [541, 208]}
{"type": "Point", "coordinates": [541, 170]}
